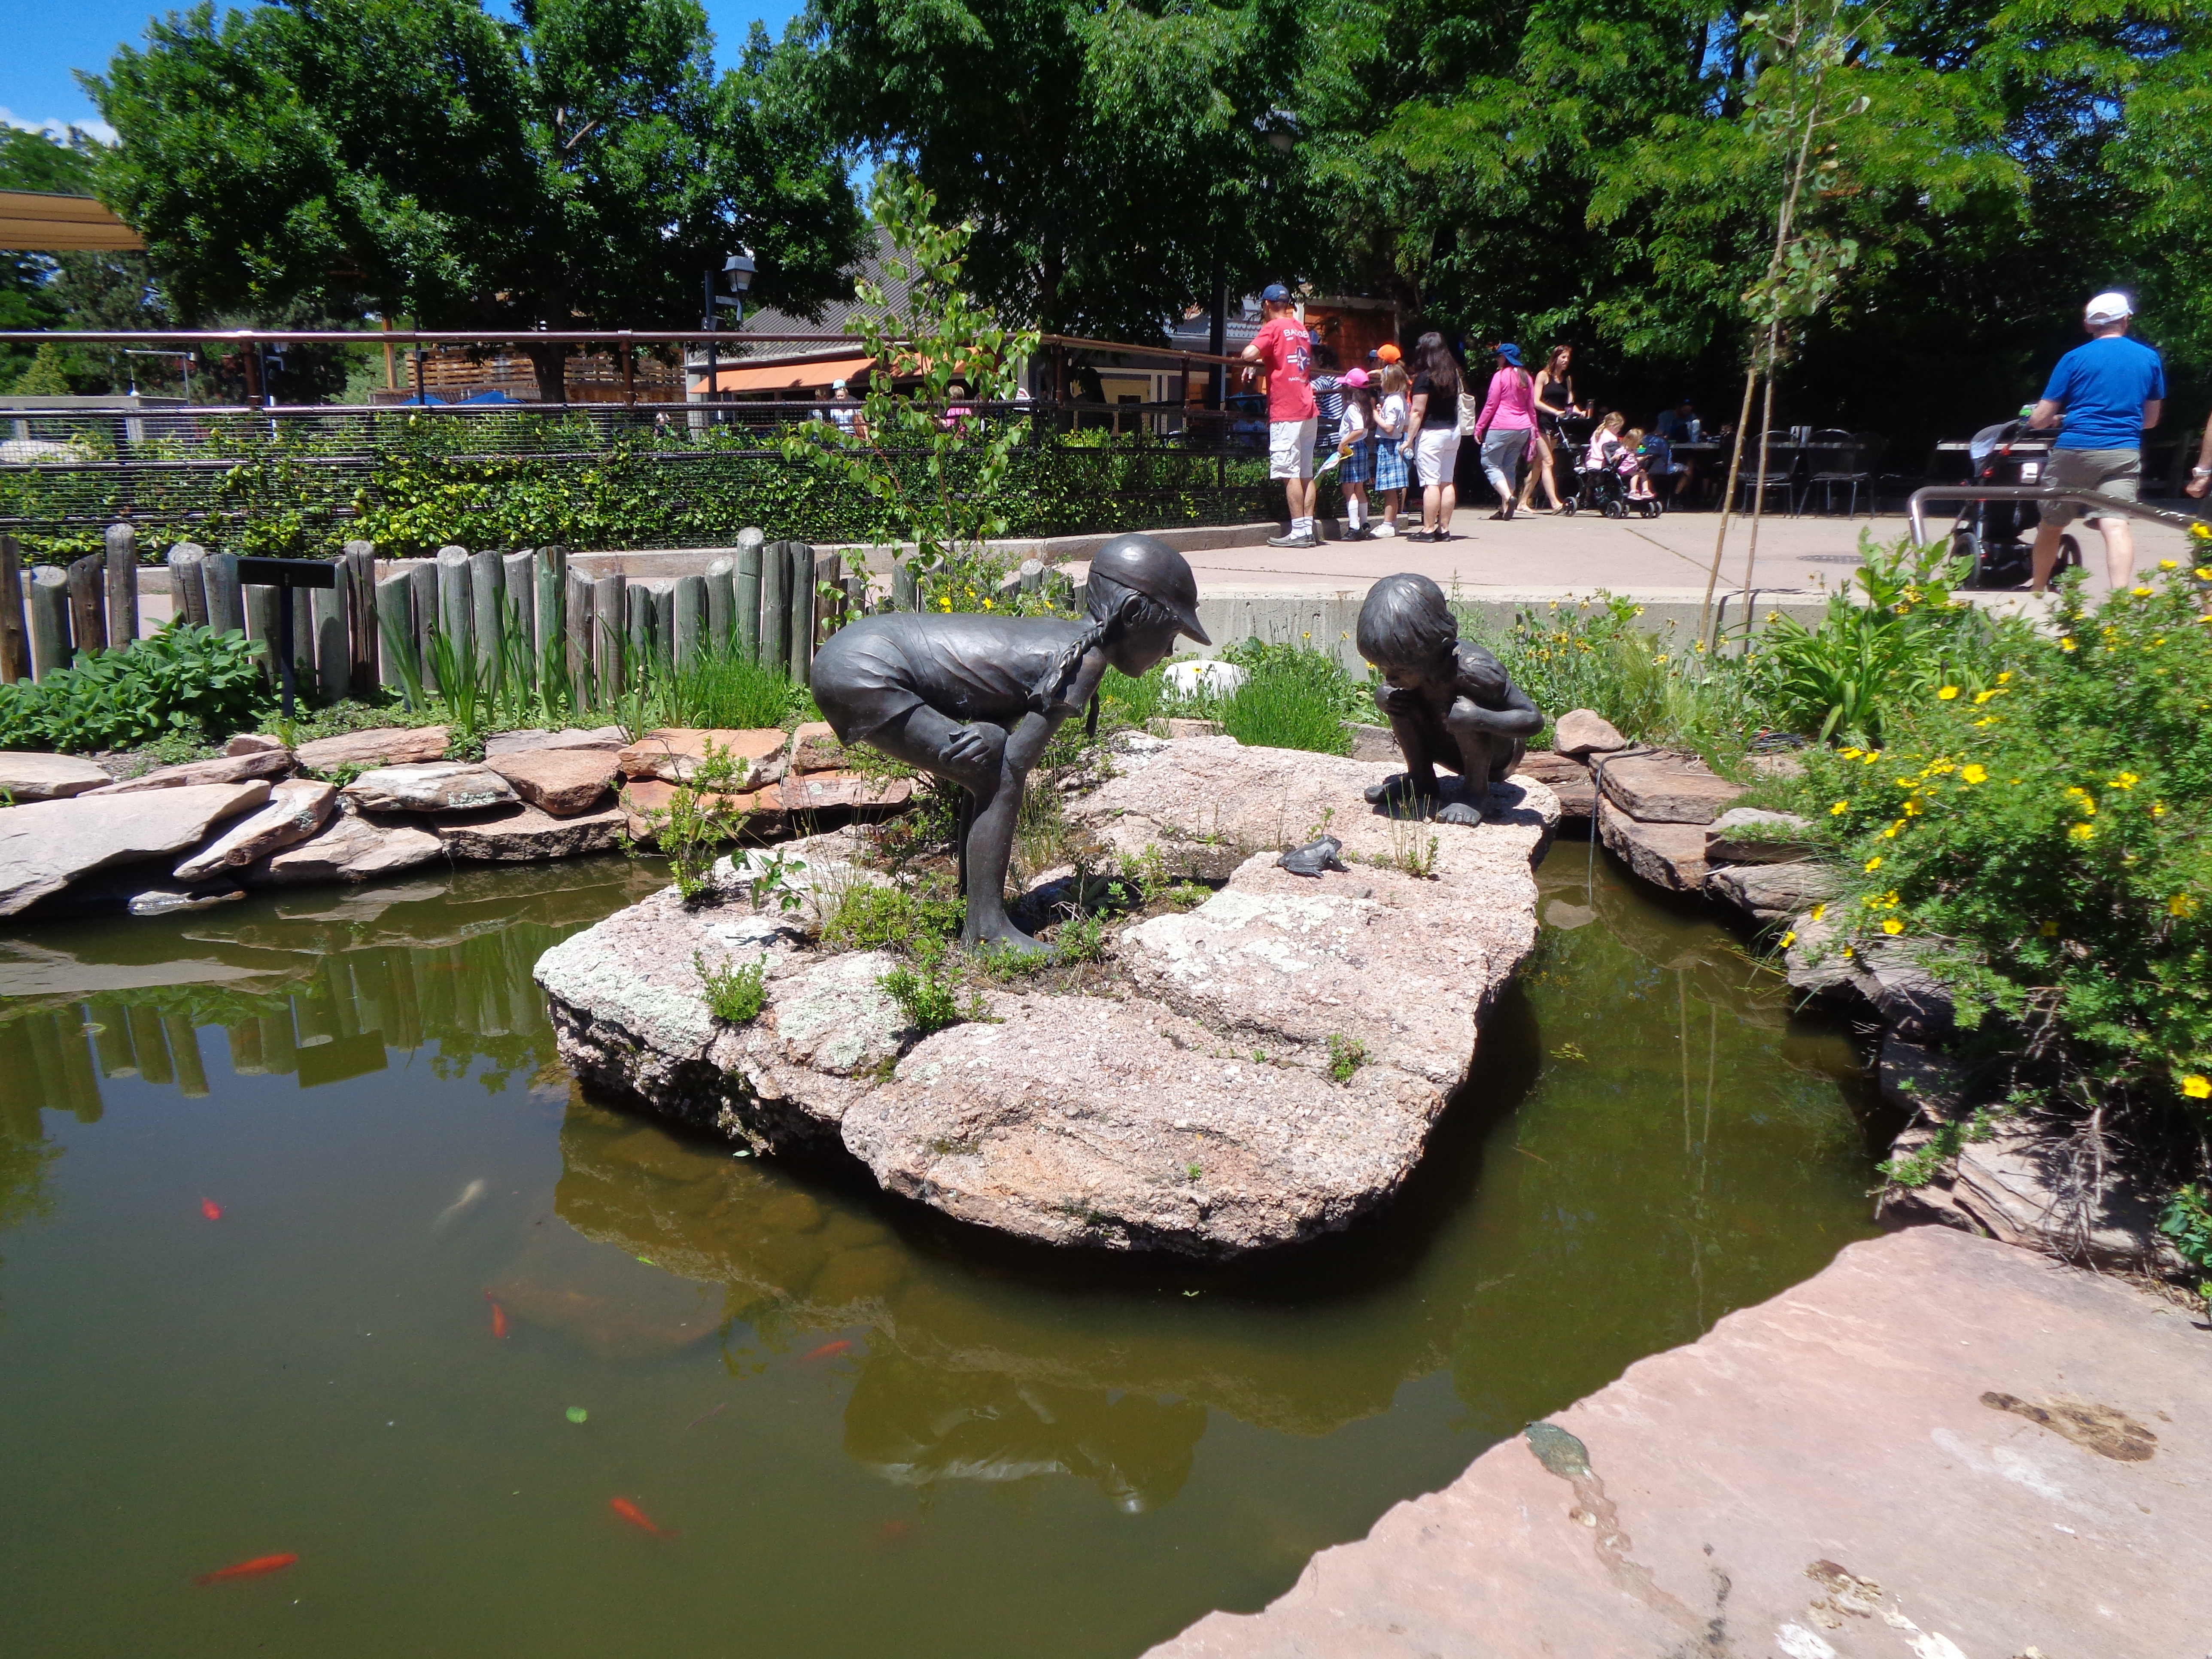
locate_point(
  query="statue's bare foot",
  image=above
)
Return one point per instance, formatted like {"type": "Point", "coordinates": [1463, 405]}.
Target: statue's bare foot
{"type": "Point", "coordinates": [1459, 812]}
{"type": "Point", "coordinates": [1001, 934]}
{"type": "Point", "coordinates": [1401, 790]}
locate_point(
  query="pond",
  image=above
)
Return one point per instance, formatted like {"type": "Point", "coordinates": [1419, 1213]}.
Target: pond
{"type": "Point", "coordinates": [311, 1248]}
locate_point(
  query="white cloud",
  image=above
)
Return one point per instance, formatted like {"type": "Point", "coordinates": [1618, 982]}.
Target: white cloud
{"type": "Point", "coordinates": [98, 130]}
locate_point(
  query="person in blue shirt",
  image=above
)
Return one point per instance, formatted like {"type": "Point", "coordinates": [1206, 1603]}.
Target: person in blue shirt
{"type": "Point", "coordinates": [2109, 392]}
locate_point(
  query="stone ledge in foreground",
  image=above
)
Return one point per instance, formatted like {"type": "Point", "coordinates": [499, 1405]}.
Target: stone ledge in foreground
{"type": "Point", "coordinates": [1939, 1446]}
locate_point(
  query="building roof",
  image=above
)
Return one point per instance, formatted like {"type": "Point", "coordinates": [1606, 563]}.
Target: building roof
{"type": "Point", "coordinates": [834, 316]}
{"type": "Point", "coordinates": [34, 221]}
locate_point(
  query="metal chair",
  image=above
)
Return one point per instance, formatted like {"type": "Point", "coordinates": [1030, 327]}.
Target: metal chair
{"type": "Point", "coordinates": [1854, 464]}
{"type": "Point", "coordinates": [1784, 457]}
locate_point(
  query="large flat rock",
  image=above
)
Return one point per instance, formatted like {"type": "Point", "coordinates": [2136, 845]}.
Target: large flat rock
{"type": "Point", "coordinates": [389, 745]}
{"type": "Point", "coordinates": [1268, 1067]}
{"type": "Point", "coordinates": [27, 775]}
{"type": "Point", "coordinates": [1667, 788]}
{"type": "Point", "coordinates": [1669, 855]}
{"type": "Point", "coordinates": [1940, 1448]}
{"type": "Point", "coordinates": [46, 846]}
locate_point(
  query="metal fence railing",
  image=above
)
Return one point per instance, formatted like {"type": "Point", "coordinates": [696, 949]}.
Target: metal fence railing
{"type": "Point", "coordinates": [648, 474]}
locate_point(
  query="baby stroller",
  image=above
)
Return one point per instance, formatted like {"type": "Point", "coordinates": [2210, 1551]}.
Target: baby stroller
{"type": "Point", "coordinates": [1600, 489]}
{"type": "Point", "coordinates": [1994, 536]}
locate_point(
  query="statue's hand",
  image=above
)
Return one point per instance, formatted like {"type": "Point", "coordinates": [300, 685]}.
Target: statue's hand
{"type": "Point", "coordinates": [979, 747]}
{"type": "Point", "coordinates": [1396, 700]}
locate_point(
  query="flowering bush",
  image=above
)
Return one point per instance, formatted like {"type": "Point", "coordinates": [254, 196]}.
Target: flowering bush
{"type": "Point", "coordinates": [2042, 834]}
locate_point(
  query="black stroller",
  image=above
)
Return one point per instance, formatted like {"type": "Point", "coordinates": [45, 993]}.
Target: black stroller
{"type": "Point", "coordinates": [1994, 536]}
{"type": "Point", "coordinates": [1597, 489]}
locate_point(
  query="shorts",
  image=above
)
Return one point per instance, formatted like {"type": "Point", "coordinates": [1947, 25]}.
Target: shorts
{"type": "Point", "coordinates": [1436, 452]}
{"type": "Point", "coordinates": [1359, 467]}
{"type": "Point", "coordinates": [1289, 449]}
{"type": "Point", "coordinates": [2109, 471]}
{"type": "Point", "coordinates": [1389, 463]}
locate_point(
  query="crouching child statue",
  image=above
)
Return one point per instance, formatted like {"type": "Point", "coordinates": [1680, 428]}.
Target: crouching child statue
{"type": "Point", "coordinates": [977, 698]}
{"type": "Point", "coordinates": [1449, 703]}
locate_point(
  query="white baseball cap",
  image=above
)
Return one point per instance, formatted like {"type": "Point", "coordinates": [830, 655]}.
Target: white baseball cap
{"type": "Point", "coordinates": [2112, 307]}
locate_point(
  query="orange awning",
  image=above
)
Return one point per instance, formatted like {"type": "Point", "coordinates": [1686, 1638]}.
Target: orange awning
{"type": "Point", "coordinates": [783, 377]}
{"type": "Point", "coordinates": [32, 221]}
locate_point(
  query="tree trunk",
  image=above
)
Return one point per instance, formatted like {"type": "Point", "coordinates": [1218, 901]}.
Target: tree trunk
{"type": "Point", "coordinates": [549, 363]}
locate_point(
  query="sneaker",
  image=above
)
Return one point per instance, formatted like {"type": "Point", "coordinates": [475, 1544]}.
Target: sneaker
{"type": "Point", "coordinates": [1293, 541]}
{"type": "Point", "coordinates": [1377, 532]}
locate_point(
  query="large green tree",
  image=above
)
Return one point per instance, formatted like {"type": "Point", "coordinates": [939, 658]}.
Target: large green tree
{"type": "Point", "coordinates": [578, 166]}
{"type": "Point", "coordinates": [1115, 160]}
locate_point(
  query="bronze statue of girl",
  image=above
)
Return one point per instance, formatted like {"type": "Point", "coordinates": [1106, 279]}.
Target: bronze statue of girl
{"type": "Point", "coordinates": [976, 698]}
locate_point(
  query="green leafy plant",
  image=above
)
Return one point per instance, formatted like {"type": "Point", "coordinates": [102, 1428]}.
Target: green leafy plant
{"type": "Point", "coordinates": [1295, 697]}
{"type": "Point", "coordinates": [870, 917]}
{"type": "Point", "coordinates": [182, 680]}
{"type": "Point", "coordinates": [927, 990]}
{"type": "Point", "coordinates": [1347, 1055]}
{"type": "Point", "coordinates": [736, 993]}
{"type": "Point", "coordinates": [691, 832]}
{"type": "Point", "coordinates": [2187, 1220]}
{"type": "Point", "coordinates": [1080, 938]}
{"type": "Point", "coordinates": [1917, 1169]}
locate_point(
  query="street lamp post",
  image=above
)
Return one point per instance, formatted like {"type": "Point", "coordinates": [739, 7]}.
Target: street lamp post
{"type": "Point", "coordinates": [736, 278]}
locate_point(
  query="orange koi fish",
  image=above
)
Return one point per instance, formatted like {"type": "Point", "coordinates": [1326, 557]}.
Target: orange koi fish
{"type": "Point", "coordinates": [892, 1531]}
{"type": "Point", "coordinates": [826, 1351]}
{"type": "Point", "coordinates": [210, 1209]}
{"type": "Point", "coordinates": [637, 1517]}
{"type": "Point", "coordinates": [260, 1567]}
{"type": "Point", "coordinates": [498, 1317]}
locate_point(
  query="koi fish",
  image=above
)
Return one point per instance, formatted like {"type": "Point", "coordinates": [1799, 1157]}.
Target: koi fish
{"type": "Point", "coordinates": [892, 1531]}
{"type": "Point", "coordinates": [826, 1351]}
{"type": "Point", "coordinates": [637, 1517]}
{"type": "Point", "coordinates": [260, 1567]}
{"type": "Point", "coordinates": [210, 1209]}
{"type": "Point", "coordinates": [711, 1411]}
{"type": "Point", "coordinates": [498, 1317]}
{"type": "Point", "coordinates": [469, 1195]}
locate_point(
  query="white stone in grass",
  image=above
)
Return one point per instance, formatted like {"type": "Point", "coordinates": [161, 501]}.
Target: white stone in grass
{"type": "Point", "coordinates": [1206, 678]}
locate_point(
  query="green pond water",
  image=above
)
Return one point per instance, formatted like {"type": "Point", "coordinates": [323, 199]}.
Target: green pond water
{"type": "Point", "coordinates": [869, 1433]}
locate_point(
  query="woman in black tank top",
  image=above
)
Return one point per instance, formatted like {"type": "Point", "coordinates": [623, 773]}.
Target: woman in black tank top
{"type": "Point", "coordinates": [1555, 397]}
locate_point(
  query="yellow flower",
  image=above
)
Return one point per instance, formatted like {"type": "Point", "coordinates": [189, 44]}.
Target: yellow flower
{"type": "Point", "coordinates": [2125, 780]}
{"type": "Point", "coordinates": [2140, 593]}
{"type": "Point", "coordinates": [2197, 1086]}
{"type": "Point", "coordinates": [1870, 758]}
{"type": "Point", "coordinates": [1890, 833]}
{"type": "Point", "coordinates": [2082, 832]}
{"type": "Point", "coordinates": [1873, 864]}
{"type": "Point", "coordinates": [1839, 808]}
{"type": "Point", "coordinates": [2049, 929]}
{"type": "Point", "coordinates": [2066, 644]}
{"type": "Point", "coordinates": [1892, 926]}
{"type": "Point", "coordinates": [2181, 904]}
{"type": "Point", "coordinates": [1818, 910]}
{"type": "Point", "coordinates": [1788, 939]}
{"type": "Point", "coordinates": [1981, 698]}
{"type": "Point", "coordinates": [1912, 809]}
{"type": "Point", "coordinates": [2158, 809]}
{"type": "Point", "coordinates": [2203, 572]}
{"type": "Point", "coordinates": [1947, 692]}
{"type": "Point", "coordinates": [1852, 754]}
{"type": "Point", "coordinates": [1975, 772]}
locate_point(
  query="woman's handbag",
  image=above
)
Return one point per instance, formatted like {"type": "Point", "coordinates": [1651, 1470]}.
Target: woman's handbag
{"type": "Point", "coordinates": [1470, 413]}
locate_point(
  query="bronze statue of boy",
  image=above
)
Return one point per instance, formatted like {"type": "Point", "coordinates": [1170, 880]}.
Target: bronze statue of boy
{"type": "Point", "coordinates": [1448, 701]}
{"type": "Point", "coordinates": [975, 698]}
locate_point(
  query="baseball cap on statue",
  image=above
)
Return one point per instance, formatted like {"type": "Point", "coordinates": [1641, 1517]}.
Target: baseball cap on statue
{"type": "Point", "coordinates": [1146, 565]}
{"type": "Point", "coordinates": [2112, 307]}
{"type": "Point", "coordinates": [1275, 295]}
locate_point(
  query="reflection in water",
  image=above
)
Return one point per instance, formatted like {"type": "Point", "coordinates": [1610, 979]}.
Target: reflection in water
{"type": "Point", "coordinates": [1651, 1139]}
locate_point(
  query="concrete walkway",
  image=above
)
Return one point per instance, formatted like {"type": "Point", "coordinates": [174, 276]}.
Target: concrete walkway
{"type": "Point", "coordinates": [1940, 1448]}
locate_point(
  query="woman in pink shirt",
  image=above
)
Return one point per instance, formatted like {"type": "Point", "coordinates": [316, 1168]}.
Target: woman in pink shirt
{"type": "Point", "coordinates": [1507, 428]}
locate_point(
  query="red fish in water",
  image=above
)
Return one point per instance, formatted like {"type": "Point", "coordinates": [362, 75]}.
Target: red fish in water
{"type": "Point", "coordinates": [210, 1209]}
{"type": "Point", "coordinates": [826, 1351]}
{"type": "Point", "coordinates": [498, 1317]}
{"type": "Point", "coordinates": [260, 1567]}
{"type": "Point", "coordinates": [637, 1517]}
{"type": "Point", "coordinates": [892, 1531]}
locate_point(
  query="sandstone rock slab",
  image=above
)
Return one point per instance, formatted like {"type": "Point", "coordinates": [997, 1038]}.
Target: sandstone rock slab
{"type": "Point", "coordinates": [433, 786]}
{"type": "Point", "coordinates": [27, 776]}
{"type": "Point", "coordinates": [522, 834]}
{"type": "Point", "coordinates": [227, 768]}
{"type": "Point", "coordinates": [349, 847]}
{"type": "Point", "coordinates": [1914, 1453]}
{"type": "Point", "coordinates": [1668, 855]}
{"type": "Point", "coordinates": [1773, 892]}
{"type": "Point", "coordinates": [1585, 732]}
{"type": "Point", "coordinates": [641, 798]}
{"type": "Point", "coordinates": [1567, 778]}
{"type": "Point", "coordinates": [251, 743]}
{"type": "Point", "coordinates": [1663, 788]}
{"type": "Point", "coordinates": [295, 810]}
{"type": "Point", "coordinates": [390, 745]}
{"type": "Point", "coordinates": [561, 781]}
{"type": "Point", "coordinates": [1176, 727]}
{"type": "Point", "coordinates": [1751, 834]}
{"type": "Point", "coordinates": [1120, 1126]}
{"type": "Point", "coordinates": [818, 792]}
{"type": "Point", "coordinates": [815, 748]}
{"type": "Point", "coordinates": [1373, 743]}
{"type": "Point", "coordinates": [673, 755]}
{"type": "Point", "coordinates": [48, 845]}
{"type": "Point", "coordinates": [571, 736]}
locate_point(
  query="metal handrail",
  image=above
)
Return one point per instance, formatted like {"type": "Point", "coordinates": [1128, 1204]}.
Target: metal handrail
{"type": "Point", "coordinates": [2112, 505]}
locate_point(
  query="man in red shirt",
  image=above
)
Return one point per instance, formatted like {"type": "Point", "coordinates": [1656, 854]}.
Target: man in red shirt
{"type": "Point", "coordinates": [1284, 349]}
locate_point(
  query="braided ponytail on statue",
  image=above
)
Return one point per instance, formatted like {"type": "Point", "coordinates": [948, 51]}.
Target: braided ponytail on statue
{"type": "Point", "coordinates": [1111, 607]}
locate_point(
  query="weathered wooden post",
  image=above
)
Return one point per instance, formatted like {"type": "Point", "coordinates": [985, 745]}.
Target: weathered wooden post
{"type": "Point", "coordinates": [519, 583]}
{"type": "Point", "coordinates": [262, 604]}
{"type": "Point", "coordinates": [15, 633]}
{"type": "Point", "coordinates": [906, 586]}
{"type": "Point", "coordinates": [549, 587]}
{"type": "Point", "coordinates": [122, 585]}
{"type": "Point", "coordinates": [87, 581]}
{"type": "Point", "coordinates": [423, 603]}
{"type": "Point", "coordinates": [226, 604]}
{"type": "Point", "coordinates": [664, 625]}
{"type": "Point", "coordinates": [50, 621]}
{"type": "Point", "coordinates": [301, 602]}
{"type": "Point", "coordinates": [775, 607]}
{"type": "Point", "coordinates": [187, 597]}
{"type": "Point", "coordinates": [456, 612]}
{"type": "Point", "coordinates": [397, 657]}
{"type": "Point", "coordinates": [691, 619]}
{"type": "Point", "coordinates": [609, 618]}
{"type": "Point", "coordinates": [829, 596]}
{"type": "Point", "coordinates": [332, 609]}
{"type": "Point", "coordinates": [802, 611]}
{"type": "Point", "coordinates": [722, 603]}
{"type": "Point", "coordinates": [576, 634]}
{"type": "Point", "coordinates": [638, 629]}
{"type": "Point", "coordinates": [751, 559]}
{"type": "Point", "coordinates": [856, 594]}
{"type": "Point", "coordinates": [358, 571]}
{"type": "Point", "coordinates": [488, 603]}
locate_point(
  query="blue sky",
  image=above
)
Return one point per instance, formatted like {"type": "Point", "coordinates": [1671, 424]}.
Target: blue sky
{"type": "Point", "coordinates": [46, 42]}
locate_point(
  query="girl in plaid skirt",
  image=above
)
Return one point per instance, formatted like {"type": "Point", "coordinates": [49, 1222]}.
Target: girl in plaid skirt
{"type": "Point", "coordinates": [1389, 475]}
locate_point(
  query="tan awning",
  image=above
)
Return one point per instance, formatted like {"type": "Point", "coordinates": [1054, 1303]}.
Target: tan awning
{"type": "Point", "coordinates": [32, 221]}
{"type": "Point", "coordinates": [780, 377]}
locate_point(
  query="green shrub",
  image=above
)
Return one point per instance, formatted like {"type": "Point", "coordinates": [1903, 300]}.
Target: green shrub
{"type": "Point", "coordinates": [928, 991]}
{"type": "Point", "coordinates": [2045, 841]}
{"type": "Point", "coordinates": [868, 917]}
{"type": "Point", "coordinates": [182, 680]}
{"type": "Point", "coordinates": [1296, 698]}
{"type": "Point", "coordinates": [2187, 1220]}
{"type": "Point", "coordinates": [1347, 1055]}
{"type": "Point", "coordinates": [734, 994]}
